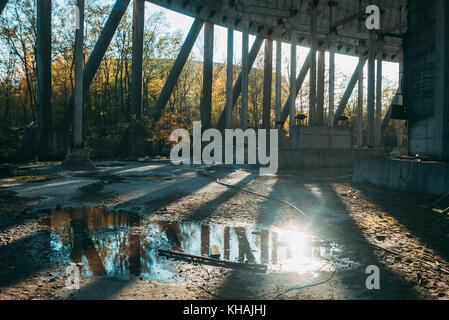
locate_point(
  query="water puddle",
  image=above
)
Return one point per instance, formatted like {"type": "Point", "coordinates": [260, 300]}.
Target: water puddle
{"type": "Point", "coordinates": [122, 244]}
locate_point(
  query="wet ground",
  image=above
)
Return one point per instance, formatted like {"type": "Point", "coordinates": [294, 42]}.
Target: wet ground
{"type": "Point", "coordinates": [152, 230]}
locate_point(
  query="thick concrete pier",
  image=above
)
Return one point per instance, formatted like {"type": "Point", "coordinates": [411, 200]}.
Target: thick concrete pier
{"type": "Point", "coordinates": [78, 159]}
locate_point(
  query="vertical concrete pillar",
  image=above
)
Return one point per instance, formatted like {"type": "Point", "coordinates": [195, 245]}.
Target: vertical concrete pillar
{"type": "Point", "coordinates": [206, 103]}
{"type": "Point", "coordinates": [331, 116]}
{"type": "Point", "coordinates": [440, 145]}
{"type": "Point", "coordinates": [44, 77]}
{"type": "Point", "coordinates": [205, 240]}
{"type": "Point", "coordinates": [267, 83]}
{"type": "Point", "coordinates": [134, 247]}
{"type": "Point", "coordinates": [77, 157]}
{"type": "Point", "coordinates": [229, 77]}
{"type": "Point", "coordinates": [264, 247]}
{"type": "Point", "coordinates": [293, 137]}
{"type": "Point", "coordinates": [274, 248]}
{"type": "Point", "coordinates": [278, 103]}
{"type": "Point", "coordinates": [379, 102]}
{"type": "Point", "coordinates": [320, 89]}
{"type": "Point", "coordinates": [137, 58]}
{"type": "Point", "coordinates": [227, 243]}
{"type": "Point", "coordinates": [360, 108]}
{"type": "Point", "coordinates": [399, 122]}
{"type": "Point", "coordinates": [371, 89]}
{"type": "Point", "coordinates": [245, 71]}
{"type": "Point", "coordinates": [78, 97]}
{"type": "Point", "coordinates": [312, 89]}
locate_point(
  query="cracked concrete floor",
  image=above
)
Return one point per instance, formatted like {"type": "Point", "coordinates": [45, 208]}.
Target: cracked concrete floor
{"type": "Point", "coordinates": [339, 211]}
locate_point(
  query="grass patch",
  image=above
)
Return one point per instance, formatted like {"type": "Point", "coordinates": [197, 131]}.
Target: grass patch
{"type": "Point", "coordinates": [32, 179]}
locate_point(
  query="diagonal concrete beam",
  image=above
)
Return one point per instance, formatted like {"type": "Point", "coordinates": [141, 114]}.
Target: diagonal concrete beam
{"type": "Point", "coordinates": [2, 5]}
{"type": "Point", "coordinates": [350, 88]}
{"type": "Point", "coordinates": [299, 82]}
{"type": "Point", "coordinates": [238, 84]}
{"type": "Point", "coordinates": [96, 57]}
{"type": "Point", "coordinates": [176, 70]}
{"type": "Point", "coordinates": [387, 117]}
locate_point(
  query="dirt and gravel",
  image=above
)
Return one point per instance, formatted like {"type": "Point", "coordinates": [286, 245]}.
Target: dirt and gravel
{"type": "Point", "coordinates": [356, 216]}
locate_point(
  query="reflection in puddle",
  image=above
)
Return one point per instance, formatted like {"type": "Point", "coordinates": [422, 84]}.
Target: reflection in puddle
{"type": "Point", "coordinates": [120, 244]}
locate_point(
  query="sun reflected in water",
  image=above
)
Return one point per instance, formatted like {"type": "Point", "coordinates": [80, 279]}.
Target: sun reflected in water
{"type": "Point", "coordinates": [122, 244]}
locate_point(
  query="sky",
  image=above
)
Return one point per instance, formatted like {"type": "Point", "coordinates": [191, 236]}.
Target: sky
{"type": "Point", "coordinates": [344, 63]}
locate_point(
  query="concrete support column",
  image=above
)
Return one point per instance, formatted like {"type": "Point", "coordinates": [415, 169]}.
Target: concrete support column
{"type": "Point", "coordinates": [44, 77]}
{"type": "Point", "coordinates": [206, 102]}
{"type": "Point", "coordinates": [229, 77]}
{"type": "Point", "coordinates": [264, 247]}
{"type": "Point", "coordinates": [205, 241]}
{"type": "Point", "coordinates": [78, 157]}
{"type": "Point", "coordinates": [245, 71]}
{"type": "Point", "coordinates": [371, 89]}
{"type": "Point", "coordinates": [401, 102]}
{"type": "Point", "coordinates": [137, 58]}
{"type": "Point", "coordinates": [379, 102]}
{"type": "Point", "coordinates": [267, 83]}
{"type": "Point", "coordinates": [227, 242]}
{"type": "Point", "coordinates": [313, 75]}
{"type": "Point", "coordinates": [293, 137]}
{"type": "Point", "coordinates": [312, 92]}
{"type": "Point", "coordinates": [278, 83]}
{"type": "Point", "coordinates": [79, 61]}
{"type": "Point", "coordinates": [331, 116]}
{"type": "Point", "coordinates": [360, 108]}
{"type": "Point", "coordinates": [441, 142]}
{"type": "Point", "coordinates": [320, 89]}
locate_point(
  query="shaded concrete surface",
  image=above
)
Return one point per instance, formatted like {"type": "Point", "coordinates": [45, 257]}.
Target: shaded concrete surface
{"type": "Point", "coordinates": [348, 214]}
{"type": "Point", "coordinates": [414, 175]}
{"type": "Point", "coordinates": [324, 158]}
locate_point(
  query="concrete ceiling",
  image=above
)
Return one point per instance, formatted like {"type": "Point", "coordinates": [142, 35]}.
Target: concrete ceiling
{"type": "Point", "coordinates": [276, 19]}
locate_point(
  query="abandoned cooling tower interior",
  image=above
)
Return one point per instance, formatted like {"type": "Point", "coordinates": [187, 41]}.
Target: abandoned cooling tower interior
{"type": "Point", "coordinates": [198, 150]}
